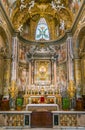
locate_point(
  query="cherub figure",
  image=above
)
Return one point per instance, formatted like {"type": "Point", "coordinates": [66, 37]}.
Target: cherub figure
{"type": "Point", "coordinates": [31, 4]}
{"type": "Point", "coordinates": [22, 1]}
{"type": "Point", "coordinates": [20, 28]}
{"type": "Point", "coordinates": [53, 5]}
{"type": "Point", "coordinates": [22, 7]}
{"type": "Point", "coordinates": [62, 26]}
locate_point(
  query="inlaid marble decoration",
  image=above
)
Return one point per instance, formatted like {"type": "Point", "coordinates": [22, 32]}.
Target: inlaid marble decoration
{"type": "Point", "coordinates": [14, 120]}
{"type": "Point", "coordinates": [68, 119]}
{"type": "Point", "coordinates": [2, 122]}
{"type": "Point", "coordinates": [81, 120]}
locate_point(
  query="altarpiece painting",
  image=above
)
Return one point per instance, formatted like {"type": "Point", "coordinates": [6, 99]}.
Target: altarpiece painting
{"type": "Point", "coordinates": [42, 72]}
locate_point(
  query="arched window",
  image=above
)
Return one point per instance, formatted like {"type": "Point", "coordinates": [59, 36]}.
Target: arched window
{"type": "Point", "coordinates": [42, 31]}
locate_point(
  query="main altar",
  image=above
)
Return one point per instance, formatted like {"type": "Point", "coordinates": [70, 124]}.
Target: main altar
{"type": "Point", "coordinates": [38, 86]}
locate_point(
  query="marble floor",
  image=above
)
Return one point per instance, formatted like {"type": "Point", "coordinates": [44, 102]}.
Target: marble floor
{"type": "Point", "coordinates": [81, 128]}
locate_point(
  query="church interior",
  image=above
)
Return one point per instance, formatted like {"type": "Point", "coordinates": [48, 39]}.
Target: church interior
{"type": "Point", "coordinates": [42, 64]}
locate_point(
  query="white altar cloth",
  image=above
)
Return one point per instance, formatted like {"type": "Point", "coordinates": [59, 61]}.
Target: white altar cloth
{"type": "Point", "coordinates": [42, 105]}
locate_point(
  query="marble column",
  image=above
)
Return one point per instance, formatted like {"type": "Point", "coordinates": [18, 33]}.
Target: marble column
{"type": "Point", "coordinates": [14, 58]}
{"type": "Point", "coordinates": [55, 73]}
{"type": "Point", "coordinates": [77, 67]}
{"type": "Point", "coordinates": [29, 74]}
{"type": "Point", "coordinates": [70, 58]}
{"type": "Point", "coordinates": [52, 71]}
{"type": "Point", "coordinates": [32, 71]}
{"type": "Point", "coordinates": [71, 89]}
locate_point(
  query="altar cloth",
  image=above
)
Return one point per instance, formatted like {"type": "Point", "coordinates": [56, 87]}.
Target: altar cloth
{"type": "Point", "coordinates": [46, 107]}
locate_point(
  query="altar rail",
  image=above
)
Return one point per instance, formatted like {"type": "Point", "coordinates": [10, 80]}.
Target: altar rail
{"type": "Point", "coordinates": [66, 119]}
{"type": "Point", "coordinates": [18, 119]}
{"type": "Point", "coordinates": [61, 119]}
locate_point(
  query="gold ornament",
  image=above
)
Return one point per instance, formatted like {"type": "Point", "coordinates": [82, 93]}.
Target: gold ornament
{"type": "Point", "coordinates": [13, 90]}
{"type": "Point", "coordinates": [71, 89]}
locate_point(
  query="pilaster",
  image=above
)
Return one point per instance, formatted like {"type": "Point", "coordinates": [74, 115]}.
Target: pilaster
{"type": "Point", "coordinates": [77, 67]}
{"type": "Point", "coordinates": [14, 58]}
{"type": "Point", "coordinates": [70, 57]}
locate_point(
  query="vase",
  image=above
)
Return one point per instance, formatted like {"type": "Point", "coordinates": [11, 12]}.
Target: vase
{"type": "Point", "coordinates": [12, 104]}
{"type": "Point", "coordinates": [72, 104]}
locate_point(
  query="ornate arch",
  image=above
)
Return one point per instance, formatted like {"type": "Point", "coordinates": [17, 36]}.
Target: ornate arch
{"type": "Point", "coordinates": [79, 36]}
{"type": "Point", "coordinates": [5, 61]}
{"type": "Point", "coordinates": [79, 51]}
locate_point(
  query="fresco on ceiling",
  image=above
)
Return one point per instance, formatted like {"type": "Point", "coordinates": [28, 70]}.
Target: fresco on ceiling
{"type": "Point", "coordinates": [75, 5]}
{"type": "Point", "coordinates": [61, 83]}
{"type": "Point", "coordinates": [6, 4]}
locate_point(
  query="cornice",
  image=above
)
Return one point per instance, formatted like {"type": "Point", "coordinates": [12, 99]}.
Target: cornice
{"type": "Point", "coordinates": [52, 42]}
